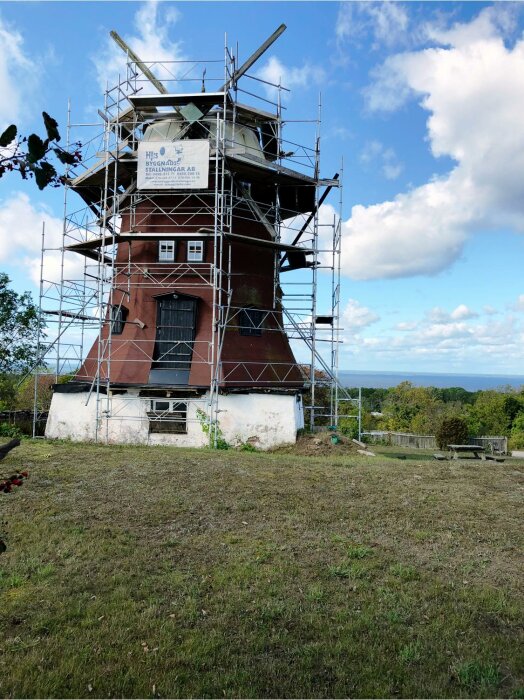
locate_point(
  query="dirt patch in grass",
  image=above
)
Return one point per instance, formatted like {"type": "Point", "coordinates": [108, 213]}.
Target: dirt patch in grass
{"type": "Point", "coordinates": [161, 572]}
{"type": "Point", "coordinates": [320, 444]}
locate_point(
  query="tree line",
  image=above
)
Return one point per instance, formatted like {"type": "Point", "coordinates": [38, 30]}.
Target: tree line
{"type": "Point", "coordinates": [403, 408]}
{"type": "Point", "coordinates": [423, 410]}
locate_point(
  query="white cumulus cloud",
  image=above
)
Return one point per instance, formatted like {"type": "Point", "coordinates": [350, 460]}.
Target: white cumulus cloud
{"type": "Point", "coordinates": [519, 306]}
{"type": "Point", "coordinates": [150, 42]}
{"type": "Point", "coordinates": [386, 22]}
{"type": "Point", "coordinates": [490, 310]}
{"type": "Point", "coordinates": [17, 74]}
{"type": "Point", "coordinates": [473, 89]}
{"type": "Point", "coordinates": [374, 152]}
{"type": "Point", "coordinates": [291, 77]}
{"type": "Point", "coordinates": [462, 312]}
{"type": "Point", "coordinates": [406, 326]}
{"type": "Point", "coordinates": [21, 240]}
{"type": "Point", "coordinates": [446, 339]}
{"type": "Point", "coordinates": [357, 317]}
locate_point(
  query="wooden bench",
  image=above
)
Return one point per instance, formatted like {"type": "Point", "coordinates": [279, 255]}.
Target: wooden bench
{"type": "Point", "coordinates": [476, 450]}
{"type": "Point", "coordinates": [494, 458]}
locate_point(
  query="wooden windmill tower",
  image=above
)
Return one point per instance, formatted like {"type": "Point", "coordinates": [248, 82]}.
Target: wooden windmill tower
{"type": "Point", "coordinates": [189, 196]}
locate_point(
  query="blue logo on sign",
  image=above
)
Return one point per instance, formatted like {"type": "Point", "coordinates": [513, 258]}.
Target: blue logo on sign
{"type": "Point", "coordinates": [162, 151]}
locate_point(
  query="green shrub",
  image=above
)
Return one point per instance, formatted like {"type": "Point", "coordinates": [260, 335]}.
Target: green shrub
{"type": "Point", "coordinates": [452, 431]}
{"type": "Point", "coordinates": [516, 440]}
{"type": "Point", "coordinates": [221, 442]}
{"type": "Point", "coordinates": [11, 431]}
{"type": "Point", "coordinates": [247, 447]}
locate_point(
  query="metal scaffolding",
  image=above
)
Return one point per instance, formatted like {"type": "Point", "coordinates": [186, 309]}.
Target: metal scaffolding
{"type": "Point", "coordinates": [90, 280]}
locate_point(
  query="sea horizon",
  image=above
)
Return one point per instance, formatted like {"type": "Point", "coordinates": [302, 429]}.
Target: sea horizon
{"type": "Point", "coordinates": [386, 379]}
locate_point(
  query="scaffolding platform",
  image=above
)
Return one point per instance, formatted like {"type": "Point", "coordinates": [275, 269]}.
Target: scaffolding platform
{"type": "Point", "coordinates": [262, 201]}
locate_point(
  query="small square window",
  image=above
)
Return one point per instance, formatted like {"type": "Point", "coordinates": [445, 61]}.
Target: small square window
{"type": "Point", "coordinates": [167, 416]}
{"type": "Point", "coordinates": [166, 251]}
{"type": "Point", "coordinates": [160, 405]}
{"type": "Point", "coordinates": [251, 321]}
{"type": "Point", "coordinates": [195, 251]}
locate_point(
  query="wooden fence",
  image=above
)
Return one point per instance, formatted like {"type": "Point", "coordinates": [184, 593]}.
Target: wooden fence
{"type": "Point", "coordinates": [492, 444]}
{"type": "Point", "coordinates": [497, 444]}
{"type": "Point", "coordinates": [23, 420]}
{"type": "Point", "coordinates": [424, 442]}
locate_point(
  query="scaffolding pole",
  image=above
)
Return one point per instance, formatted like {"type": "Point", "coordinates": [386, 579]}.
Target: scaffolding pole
{"type": "Point", "coordinates": [81, 305]}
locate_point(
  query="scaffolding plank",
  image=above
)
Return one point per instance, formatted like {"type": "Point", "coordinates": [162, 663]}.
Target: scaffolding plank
{"type": "Point", "coordinates": [94, 256]}
{"type": "Point", "coordinates": [95, 175]}
{"type": "Point", "coordinates": [102, 241]}
{"type": "Point", "coordinates": [92, 244]}
{"type": "Point", "coordinates": [88, 253]}
{"type": "Point", "coordinates": [86, 247]}
{"type": "Point", "coordinates": [258, 169]}
{"type": "Point", "coordinates": [70, 314]}
{"type": "Point", "coordinates": [206, 99]}
{"type": "Point", "coordinates": [325, 320]}
{"type": "Point", "coordinates": [260, 242]}
{"type": "Point", "coordinates": [254, 114]}
{"type": "Point", "coordinates": [266, 170]}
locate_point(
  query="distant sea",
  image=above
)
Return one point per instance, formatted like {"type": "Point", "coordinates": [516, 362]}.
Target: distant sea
{"type": "Point", "coordinates": [470, 382]}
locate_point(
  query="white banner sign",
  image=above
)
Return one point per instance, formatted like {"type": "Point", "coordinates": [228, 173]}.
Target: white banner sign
{"type": "Point", "coordinates": [173, 165]}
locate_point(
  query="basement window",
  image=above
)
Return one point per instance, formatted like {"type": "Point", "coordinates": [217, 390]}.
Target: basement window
{"type": "Point", "coordinates": [118, 319]}
{"type": "Point", "coordinates": [195, 251]}
{"type": "Point", "coordinates": [250, 321]}
{"type": "Point", "coordinates": [166, 251]}
{"type": "Point", "coordinates": [167, 416]}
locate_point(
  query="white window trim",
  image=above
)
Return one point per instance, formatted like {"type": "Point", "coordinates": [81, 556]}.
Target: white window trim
{"type": "Point", "coordinates": [162, 255]}
{"type": "Point", "coordinates": [200, 254]}
{"type": "Point", "coordinates": [174, 405]}
{"type": "Point", "coordinates": [175, 416]}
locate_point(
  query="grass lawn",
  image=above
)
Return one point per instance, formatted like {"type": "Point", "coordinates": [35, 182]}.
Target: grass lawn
{"type": "Point", "coordinates": [161, 572]}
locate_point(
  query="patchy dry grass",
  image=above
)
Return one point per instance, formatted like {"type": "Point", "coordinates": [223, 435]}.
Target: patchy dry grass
{"type": "Point", "coordinates": [158, 572]}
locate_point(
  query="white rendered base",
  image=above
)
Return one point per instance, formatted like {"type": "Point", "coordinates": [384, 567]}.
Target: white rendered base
{"type": "Point", "coordinates": [263, 420]}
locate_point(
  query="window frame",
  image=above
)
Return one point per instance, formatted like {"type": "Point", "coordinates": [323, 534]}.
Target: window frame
{"type": "Point", "coordinates": [171, 420]}
{"type": "Point", "coordinates": [117, 317]}
{"type": "Point", "coordinates": [202, 251]}
{"type": "Point", "coordinates": [249, 326]}
{"type": "Point", "coordinates": [172, 245]}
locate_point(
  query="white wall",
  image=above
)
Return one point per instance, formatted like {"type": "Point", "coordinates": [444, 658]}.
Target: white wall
{"type": "Point", "coordinates": [263, 420]}
{"type": "Point", "coordinates": [69, 417]}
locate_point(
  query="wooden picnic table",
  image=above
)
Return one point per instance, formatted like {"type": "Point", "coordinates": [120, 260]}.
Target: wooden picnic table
{"type": "Point", "coordinates": [476, 450]}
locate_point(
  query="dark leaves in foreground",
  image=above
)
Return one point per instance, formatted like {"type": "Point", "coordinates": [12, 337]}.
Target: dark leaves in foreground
{"type": "Point", "coordinates": [30, 155]}
{"type": "Point", "coordinates": [17, 479]}
{"type": "Point", "coordinates": [51, 126]}
{"type": "Point", "coordinates": [8, 136]}
{"type": "Point", "coordinates": [6, 486]}
{"type": "Point", "coordinates": [36, 148]}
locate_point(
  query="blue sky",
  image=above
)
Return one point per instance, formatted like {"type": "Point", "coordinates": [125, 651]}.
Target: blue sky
{"type": "Point", "coordinates": [424, 102]}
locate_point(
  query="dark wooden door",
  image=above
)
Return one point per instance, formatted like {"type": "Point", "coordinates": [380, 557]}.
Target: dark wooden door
{"type": "Point", "coordinates": [175, 337]}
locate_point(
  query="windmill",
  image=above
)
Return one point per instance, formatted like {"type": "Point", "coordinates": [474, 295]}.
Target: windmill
{"type": "Point", "coordinates": [188, 196]}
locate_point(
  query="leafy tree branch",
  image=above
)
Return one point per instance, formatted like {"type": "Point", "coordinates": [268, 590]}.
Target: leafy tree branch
{"type": "Point", "coordinates": [30, 155]}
